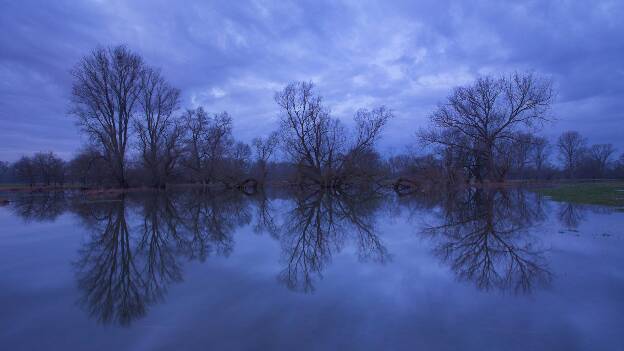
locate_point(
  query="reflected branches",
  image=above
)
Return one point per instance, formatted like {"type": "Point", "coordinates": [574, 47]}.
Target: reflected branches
{"type": "Point", "coordinates": [44, 206]}
{"type": "Point", "coordinates": [123, 269]}
{"type": "Point", "coordinates": [138, 243]}
{"type": "Point", "coordinates": [319, 225]}
{"type": "Point", "coordinates": [484, 237]}
{"type": "Point", "coordinates": [113, 287]}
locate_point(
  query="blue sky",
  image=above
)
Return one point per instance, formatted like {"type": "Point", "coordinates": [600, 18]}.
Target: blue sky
{"type": "Point", "coordinates": [234, 55]}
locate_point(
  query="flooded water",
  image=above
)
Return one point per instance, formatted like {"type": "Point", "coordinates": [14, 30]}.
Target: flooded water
{"type": "Point", "coordinates": [190, 270]}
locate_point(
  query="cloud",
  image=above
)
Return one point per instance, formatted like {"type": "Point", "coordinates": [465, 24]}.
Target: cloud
{"type": "Point", "coordinates": [233, 55]}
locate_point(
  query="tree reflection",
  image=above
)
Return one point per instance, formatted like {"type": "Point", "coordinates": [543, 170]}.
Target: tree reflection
{"type": "Point", "coordinates": [209, 221]}
{"type": "Point", "coordinates": [571, 215]}
{"type": "Point", "coordinates": [265, 215]}
{"type": "Point", "coordinates": [44, 206]}
{"type": "Point", "coordinates": [484, 237]}
{"type": "Point", "coordinates": [319, 225]}
{"type": "Point", "coordinates": [138, 243]}
{"type": "Point", "coordinates": [114, 288]}
{"type": "Point", "coordinates": [123, 269]}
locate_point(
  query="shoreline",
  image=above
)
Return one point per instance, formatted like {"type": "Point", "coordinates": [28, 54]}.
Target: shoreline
{"type": "Point", "coordinates": [17, 188]}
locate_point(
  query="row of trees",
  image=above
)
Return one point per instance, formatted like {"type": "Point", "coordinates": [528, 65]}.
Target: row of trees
{"type": "Point", "coordinates": [41, 168]}
{"type": "Point", "coordinates": [488, 131]}
{"type": "Point", "coordinates": [118, 98]}
{"type": "Point", "coordinates": [532, 157]}
{"type": "Point", "coordinates": [582, 160]}
{"type": "Point", "coordinates": [483, 132]}
{"type": "Point", "coordinates": [119, 102]}
{"type": "Point", "coordinates": [528, 157]}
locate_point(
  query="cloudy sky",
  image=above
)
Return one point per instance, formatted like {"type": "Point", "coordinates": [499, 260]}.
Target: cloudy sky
{"type": "Point", "coordinates": [233, 55]}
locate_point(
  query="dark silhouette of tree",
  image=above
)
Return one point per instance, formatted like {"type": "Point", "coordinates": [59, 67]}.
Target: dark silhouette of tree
{"type": "Point", "coordinates": [317, 143]}
{"type": "Point", "coordinates": [25, 170]}
{"type": "Point", "coordinates": [159, 134]}
{"type": "Point", "coordinates": [572, 146]}
{"type": "Point", "coordinates": [264, 149]}
{"type": "Point", "coordinates": [43, 167]}
{"type": "Point", "coordinates": [89, 168]}
{"type": "Point", "coordinates": [208, 143]}
{"type": "Point", "coordinates": [540, 154]}
{"type": "Point", "coordinates": [601, 154]}
{"type": "Point", "coordinates": [481, 119]}
{"type": "Point", "coordinates": [105, 89]}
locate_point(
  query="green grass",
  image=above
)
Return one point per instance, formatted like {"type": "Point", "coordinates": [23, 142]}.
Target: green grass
{"type": "Point", "coordinates": [600, 193]}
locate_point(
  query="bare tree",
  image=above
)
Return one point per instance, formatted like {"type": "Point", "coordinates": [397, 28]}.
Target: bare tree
{"type": "Point", "coordinates": [157, 131]}
{"type": "Point", "coordinates": [195, 125]}
{"type": "Point", "coordinates": [264, 149]}
{"type": "Point", "coordinates": [219, 144]}
{"type": "Point", "coordinates": [571, 147]}
{"type": "Point", "coordinates": [105, 90]}
{"type": "Point", "coordinates": [24, 169]}
{"type": "Point", "coordinates": [49, 168]}
{"type": "Point", "coordinates": [489, 113]}
{"type": "Point", "coordinates": [207, 142]}
{"type": "Point", "coordinates": [318, 143]}
{"type": "Point", "coordinates": [305, 125]}
{"type": "Point", "coordinates": [601, 154]}
{"type": "Point", "coordinates": [89, 167]}
{"type": "Point", "coordinates": [235, 166]}
{"type": "Point", "coordinates": [540, 154]}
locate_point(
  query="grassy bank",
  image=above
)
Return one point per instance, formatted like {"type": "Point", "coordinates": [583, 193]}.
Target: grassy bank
{"type": "Point", "coordinates": [591, 193]}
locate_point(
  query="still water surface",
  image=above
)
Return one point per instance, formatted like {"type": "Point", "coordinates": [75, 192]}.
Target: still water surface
{"type": "Point", "coordinates": [190, 270]}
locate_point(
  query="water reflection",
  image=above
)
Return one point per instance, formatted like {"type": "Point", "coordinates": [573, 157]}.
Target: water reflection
{"type": "Point", "coordinates": [319, 225]}
{"type": "Point", "coordinates": [208, 221]}
{"type": "Point", "coordinates": [118, 275]}
{"type": "Point", "coordinates": [484, 236]}
{"type": "Point", "coordinates": [138, 243]}
{"type": "Point", "coordinates": [123, 269]}
{"type": "Point", "coordinates": [44, 206]}
{"type": "Point", "coordinates": [266, 221]}
{"type": "Point", "coordinates": [571, 215]}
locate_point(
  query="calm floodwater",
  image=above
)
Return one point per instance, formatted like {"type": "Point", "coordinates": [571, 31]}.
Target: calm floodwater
{"type": "Point", "coordinates": [475, 270]}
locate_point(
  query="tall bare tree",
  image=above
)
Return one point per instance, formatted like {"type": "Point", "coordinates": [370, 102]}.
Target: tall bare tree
{"type": "Point", "coordinates": [207, 141]}
{"type": "Point", "coordinates": [318, 143]}
{"type": "Point", "coordinates": [159, 134]}
{"type": "Point", "coordinates": [88, 167]}
{"type": "Point", "coordinates": [571, 147]}
{"type": "Point", "coordinates": [601, 155]}
{"type": "Point", "coordinates": [49, 168]}
{"type": "Point", "coordinates": [487, 115]}
{"type": "Point", "coordinates": [540, 154]}
{"type": "Point", "coordinates": [264, 150]}
{"type": "Point", "coordinates": [105, 90]}
{"type": "Point", "coordinates": [25, 170]}
{"type": "Point", "coordinates": [195, 122]}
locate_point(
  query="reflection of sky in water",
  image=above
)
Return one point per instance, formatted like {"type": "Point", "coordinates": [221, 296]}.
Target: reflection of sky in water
{"type": "Point", "coordinates": [391, 290]}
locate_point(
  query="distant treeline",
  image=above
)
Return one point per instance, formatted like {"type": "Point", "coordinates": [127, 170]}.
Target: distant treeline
{"type": "Point", "coordinates": [140, 136]}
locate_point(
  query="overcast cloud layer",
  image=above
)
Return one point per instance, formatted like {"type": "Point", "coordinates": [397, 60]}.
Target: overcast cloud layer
{"type": "Point", "coordinates": [234, 55]}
